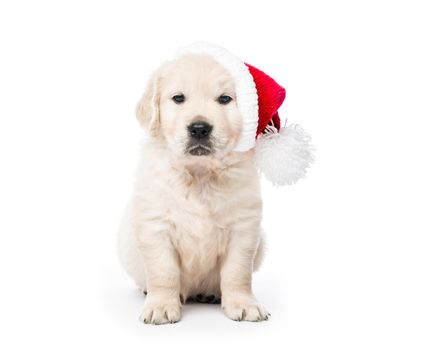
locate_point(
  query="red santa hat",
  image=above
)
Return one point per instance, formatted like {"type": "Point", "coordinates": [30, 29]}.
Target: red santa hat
{"type": "Point", "coordinates": [282, 154]}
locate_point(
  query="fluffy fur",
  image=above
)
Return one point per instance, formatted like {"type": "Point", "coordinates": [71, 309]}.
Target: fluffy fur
{"type": "Point", "coordinates": [193, 223]}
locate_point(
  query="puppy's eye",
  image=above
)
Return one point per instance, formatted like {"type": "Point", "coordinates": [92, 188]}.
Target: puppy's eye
{"type": "Point", "coordinates": [224, 99]}
{"type": "Point", "coordinates": [178, 98]}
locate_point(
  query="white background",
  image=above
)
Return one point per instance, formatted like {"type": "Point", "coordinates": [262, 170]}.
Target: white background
{"type": "Point", "coordinates": [348, 259]}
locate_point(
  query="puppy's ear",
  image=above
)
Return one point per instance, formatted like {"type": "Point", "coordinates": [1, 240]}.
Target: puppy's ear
{"type": "Point", "coordinates": [148, 108]}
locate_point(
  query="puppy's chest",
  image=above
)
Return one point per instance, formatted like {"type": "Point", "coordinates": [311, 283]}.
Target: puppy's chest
{"type": "Point", "coordinates": [200, 229]}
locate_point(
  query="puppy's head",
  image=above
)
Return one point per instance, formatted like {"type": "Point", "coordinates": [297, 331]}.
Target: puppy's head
{"type": "Point", "coordinates": [190, 105]}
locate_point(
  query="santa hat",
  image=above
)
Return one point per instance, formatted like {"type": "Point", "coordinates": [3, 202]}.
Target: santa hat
{"type": "Point", "coordinates": [282, 153]}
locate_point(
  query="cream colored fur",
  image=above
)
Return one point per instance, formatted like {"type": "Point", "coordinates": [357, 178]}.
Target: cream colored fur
{"type": "Point", "coordinates": [193, 222]}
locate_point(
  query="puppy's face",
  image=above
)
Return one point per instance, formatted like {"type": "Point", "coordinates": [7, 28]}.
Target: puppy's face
{"type": "Point", "coordinates": [190, 104]}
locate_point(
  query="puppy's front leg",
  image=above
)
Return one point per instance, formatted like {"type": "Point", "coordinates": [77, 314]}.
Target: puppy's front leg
{"type": "Point", "coordinates": [162, 304]}
{"type": "Point", "coordinates": [238, 301]}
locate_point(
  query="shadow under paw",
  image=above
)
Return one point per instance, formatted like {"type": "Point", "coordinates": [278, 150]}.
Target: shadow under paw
{"type": "Point", "coordinates": [205, 299]}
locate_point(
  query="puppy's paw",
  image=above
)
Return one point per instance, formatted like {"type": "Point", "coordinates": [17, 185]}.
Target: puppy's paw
{"type": "Point", "coordinates": [159, 311]}
{"type": "Point", "coordinates": [244, 308]}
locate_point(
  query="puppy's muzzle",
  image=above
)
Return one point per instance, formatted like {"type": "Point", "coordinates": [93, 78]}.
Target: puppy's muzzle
{"type": "Point", "coordinates": [199, 134]}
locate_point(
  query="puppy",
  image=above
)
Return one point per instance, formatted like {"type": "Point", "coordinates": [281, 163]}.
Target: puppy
{"type": "Point", "coordinates": [193, 225]}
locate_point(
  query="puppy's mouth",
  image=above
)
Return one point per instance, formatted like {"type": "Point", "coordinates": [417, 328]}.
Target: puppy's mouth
{"type": "Point", "coordinates": [199, 149]}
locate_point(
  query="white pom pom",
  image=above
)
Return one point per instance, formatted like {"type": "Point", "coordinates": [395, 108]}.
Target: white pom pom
{"type": "Point", "coordinates": [285, 156]}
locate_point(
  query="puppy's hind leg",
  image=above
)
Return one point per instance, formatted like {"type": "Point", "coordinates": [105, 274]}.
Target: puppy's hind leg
{"type": "Point", "coordinates": [130, 256]}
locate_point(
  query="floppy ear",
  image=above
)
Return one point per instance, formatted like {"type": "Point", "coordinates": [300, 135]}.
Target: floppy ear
{"type": "Point", "coordinates": [148, 108]}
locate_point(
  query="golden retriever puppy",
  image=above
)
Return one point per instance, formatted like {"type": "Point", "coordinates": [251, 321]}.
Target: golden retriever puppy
{"type": "Point", "coordinates": [193, 226]}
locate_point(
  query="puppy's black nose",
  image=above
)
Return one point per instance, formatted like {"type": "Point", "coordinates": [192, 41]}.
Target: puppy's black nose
{"type": "Point", "coordinates": [200, 130]}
